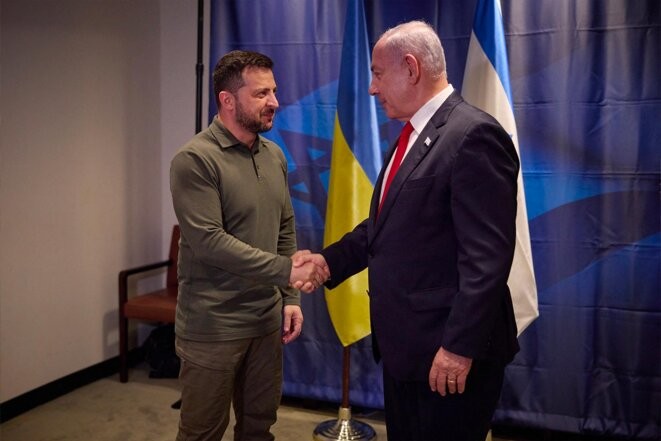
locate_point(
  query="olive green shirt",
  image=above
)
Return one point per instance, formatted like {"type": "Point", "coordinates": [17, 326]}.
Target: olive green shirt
{"type": "Point", "coordinates": [237, 229]}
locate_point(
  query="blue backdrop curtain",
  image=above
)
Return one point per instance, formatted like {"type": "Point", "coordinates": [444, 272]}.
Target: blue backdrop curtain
{"type": "Point", "coordinates": [586, 86]}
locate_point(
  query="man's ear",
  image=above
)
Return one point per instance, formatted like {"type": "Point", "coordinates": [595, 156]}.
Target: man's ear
{"type": "Point", "coordinates": [226, 99]}
{"type": "Point", "coordinates": [414, 68]}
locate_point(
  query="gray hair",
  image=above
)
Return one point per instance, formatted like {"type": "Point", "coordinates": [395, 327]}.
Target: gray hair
{"type": "Point", "coordinates": [419, 39]}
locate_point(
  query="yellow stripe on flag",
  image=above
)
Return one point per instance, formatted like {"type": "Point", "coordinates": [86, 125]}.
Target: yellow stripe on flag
{"type": "Point", "coordinates": [349, 193]}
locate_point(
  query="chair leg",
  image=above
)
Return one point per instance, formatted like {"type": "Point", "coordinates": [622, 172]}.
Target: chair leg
{"type": "Point", "coordinates": [123, 350]}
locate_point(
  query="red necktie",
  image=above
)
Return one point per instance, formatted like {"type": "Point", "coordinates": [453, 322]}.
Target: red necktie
{"type": "Point", "coordinates": [399, 154]}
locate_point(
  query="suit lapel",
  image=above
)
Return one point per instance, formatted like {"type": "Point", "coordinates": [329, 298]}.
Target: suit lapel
{"type": "Point", "coordinates": [376, 194]}
{"type": "Point", "coordinates": [423, 144]}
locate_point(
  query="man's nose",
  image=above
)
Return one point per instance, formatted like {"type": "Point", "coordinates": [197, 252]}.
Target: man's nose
{"type": "Point", "coordinates": [273, 101]}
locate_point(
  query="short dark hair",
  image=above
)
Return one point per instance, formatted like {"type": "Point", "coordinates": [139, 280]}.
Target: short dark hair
{"type": "Point", "coordinates": [227, 73]}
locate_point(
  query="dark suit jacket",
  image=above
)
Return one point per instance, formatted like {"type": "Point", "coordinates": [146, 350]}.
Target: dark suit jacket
{"type": "Point", "coordinates": [440, 251]}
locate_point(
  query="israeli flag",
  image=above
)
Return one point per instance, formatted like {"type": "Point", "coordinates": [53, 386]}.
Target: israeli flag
{"type": "Point", "coordinates": [487, 86]}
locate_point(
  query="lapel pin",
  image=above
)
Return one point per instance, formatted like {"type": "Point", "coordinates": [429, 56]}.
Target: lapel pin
{"type": "Point", "coordinates": [427, 141]}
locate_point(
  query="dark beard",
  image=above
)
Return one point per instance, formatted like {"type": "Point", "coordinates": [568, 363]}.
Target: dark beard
{"type": "Point", "coordinates": [248, 123]}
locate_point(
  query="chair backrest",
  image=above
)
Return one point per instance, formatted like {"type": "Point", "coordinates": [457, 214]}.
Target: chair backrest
{"type": "Point", "coordinates": [173, 257]}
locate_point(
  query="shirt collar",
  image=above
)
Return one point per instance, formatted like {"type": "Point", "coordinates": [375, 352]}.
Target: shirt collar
{"type": "Point", "coordinates": [420, 119]}
{"type": "Point", "coordinates": [226, 139]}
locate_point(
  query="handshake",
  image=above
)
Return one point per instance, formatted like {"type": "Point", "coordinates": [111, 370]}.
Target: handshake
{"type": "Point", "coordinates": [308, 271]}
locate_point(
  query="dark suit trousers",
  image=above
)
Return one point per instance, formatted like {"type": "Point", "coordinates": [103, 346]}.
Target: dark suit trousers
{"type": "Point", "coordinates": [415, 413]}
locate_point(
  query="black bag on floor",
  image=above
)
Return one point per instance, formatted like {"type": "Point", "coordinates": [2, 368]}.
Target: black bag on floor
{"type": "Point", "coordinates": [160, 353]}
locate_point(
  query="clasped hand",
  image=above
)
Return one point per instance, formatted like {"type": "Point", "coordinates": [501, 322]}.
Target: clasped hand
{"type": "Point", "coordinates": [308, 271]}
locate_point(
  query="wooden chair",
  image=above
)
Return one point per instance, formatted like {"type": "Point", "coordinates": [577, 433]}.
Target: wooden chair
{"type": "Point", "coordinates": [157, 306]}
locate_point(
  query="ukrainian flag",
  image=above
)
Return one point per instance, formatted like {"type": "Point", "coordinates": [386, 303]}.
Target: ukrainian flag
{"type": "Point", "coordinates": [487, 86]}
{"type": "Point", "coordinates": [355, 163]}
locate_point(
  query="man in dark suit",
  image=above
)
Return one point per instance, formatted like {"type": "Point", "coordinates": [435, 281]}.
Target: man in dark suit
{"type": "Point", "coordinates": [438, 243]}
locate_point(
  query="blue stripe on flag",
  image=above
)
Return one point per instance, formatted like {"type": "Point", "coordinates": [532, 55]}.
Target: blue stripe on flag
{"type": "Point", "coordinates": [356, 109]}
{"type": "Point", "coordinates": [488, 28]}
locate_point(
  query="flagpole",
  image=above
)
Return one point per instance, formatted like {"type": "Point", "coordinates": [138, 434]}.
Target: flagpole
{"type": "Point", "coordinates": [355, 164]}
{"type": "Point", "coordinates": [344, 428]}
{"type": "Point", "coordinates": [346, 369]}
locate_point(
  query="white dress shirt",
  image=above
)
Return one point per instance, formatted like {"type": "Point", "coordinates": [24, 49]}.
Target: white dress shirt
{"type": "Point", "coordinates": [419, 120]}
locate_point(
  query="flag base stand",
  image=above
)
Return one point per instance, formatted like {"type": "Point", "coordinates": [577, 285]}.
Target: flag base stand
{"type": "Point", "coordinates": [344, 428]}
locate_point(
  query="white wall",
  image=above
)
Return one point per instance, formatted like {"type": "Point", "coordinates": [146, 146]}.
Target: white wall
{"type": "Point", "coordinates": [178, 60]}
{"type": "Point", "coordinates": [95, 96]}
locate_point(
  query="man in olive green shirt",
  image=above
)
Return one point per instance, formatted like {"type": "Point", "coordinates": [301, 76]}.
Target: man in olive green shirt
{"type": "Point", "coordinates": [230, 195]}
